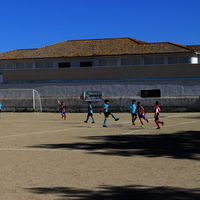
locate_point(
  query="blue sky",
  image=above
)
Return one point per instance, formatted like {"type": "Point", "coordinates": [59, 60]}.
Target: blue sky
{"type": "Point", "coordinates": [37, 23]}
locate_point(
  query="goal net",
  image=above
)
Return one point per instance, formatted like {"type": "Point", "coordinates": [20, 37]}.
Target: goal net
{"type": "Point", "coordinates": [20, 100]}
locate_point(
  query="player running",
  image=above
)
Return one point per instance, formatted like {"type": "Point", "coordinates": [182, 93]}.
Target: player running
{"type": "Point", "coordinates": [0, 109]}
{"type": "Point", "coordinates": [141, 114]}
{"type": "Point", "coordinates": [90, 112]}
{"type": "Point", "coordinates": [133, 108]}
{"type": "Point", "coordinates": [157, 115]}
{"type": "Point", "coordinates": [105, 108]}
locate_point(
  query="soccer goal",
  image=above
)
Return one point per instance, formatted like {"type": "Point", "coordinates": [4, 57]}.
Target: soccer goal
{"type": "Point", "coordinates": [20, 100]}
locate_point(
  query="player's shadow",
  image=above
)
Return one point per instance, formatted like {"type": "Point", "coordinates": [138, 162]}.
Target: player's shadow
{"type": "Point", "coordinates": [138, 192]}
{"type": "Point", "coordinates": [181, 145]}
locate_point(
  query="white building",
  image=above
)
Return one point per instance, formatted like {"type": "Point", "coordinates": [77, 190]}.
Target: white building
{"type": "Point", "coordinates": [121, 68]}
{"type": "Point", "coordinates": [100, 52]}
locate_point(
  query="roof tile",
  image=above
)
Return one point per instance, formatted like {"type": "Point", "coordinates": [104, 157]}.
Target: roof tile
{"type": "Point", "coordinates": [97, 47]}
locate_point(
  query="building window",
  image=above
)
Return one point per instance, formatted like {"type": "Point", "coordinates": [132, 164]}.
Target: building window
{"type": "Point", "coordinates": [135, 61]}
{"type": "Point", "coordinates": [108, 62]}
{"type": "Point", "coordinates": [183, 60]}
{"type": "Point", "coordinates": [178, 60]}
{"type": "Point", "coordinates": [6, 65]}
{"type": "Point", "coordinates": [20, 65]}
{"type": "Point", "coordinates": [85, 64]}
{"type": "Point", "coordinates": [128, 62]}
{"type": "Point", "coordinates": [2, 67]}
{"type": "Point", "coordinates": [42, 65]}
{"type": "Point", "coordinates": [173, 60]}
{"type": "Point", "coordinates": [112, 62]}
{"type": "Point", "coordinates": [149, 61]}
{"type": "Point", "coordinates": [48, 64]}
{"type": "Point", "coordinates": [39, 65]}
{"type": "Point", "coordinates": [9, 65]}
{"type": "Point", "coordinates": [154, 61]}
{"type": "Point", "coordinates": [159, 61]}
{"type": "Point", "coordinates": [103, 62]}
{"type": "Point", "coordinates": [28, 65]}
{"type": "Point", "coordinates": [125, 62]}
{"type": "Point", "coordinates": [23, 65]}
{"type": "Point", "coordinates": [64, 65]}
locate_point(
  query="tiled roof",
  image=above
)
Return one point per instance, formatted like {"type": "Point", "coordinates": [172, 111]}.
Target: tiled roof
{"type": "Point", "coordinates": [194, 47]}
{"type": "Point", "coordinates": [97, 47]}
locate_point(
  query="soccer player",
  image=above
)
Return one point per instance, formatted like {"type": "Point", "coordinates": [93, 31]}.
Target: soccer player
{"type": "Point", "coordinates": [90, 112]}
{"type": "Point", "coordinates": [157, 115]}
{"type": "Point", "coordinates": [105, 108]}
{"type": "Point", "coordinates": [0, 109]}
{"type": "Point", "coordinates": [141, 113]}
{"type": "Point", "coordinates": [133, 108]}
{"type": "Point", "coordinates": [63, 109]}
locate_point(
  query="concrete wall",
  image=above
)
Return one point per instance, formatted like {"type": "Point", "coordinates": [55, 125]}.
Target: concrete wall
{"type": "Point", "coordinates": [98, 73]}
{"type": "Point", "coordinates": [179, 85]}
{"type": "Point", "coordinates": [175, 94]}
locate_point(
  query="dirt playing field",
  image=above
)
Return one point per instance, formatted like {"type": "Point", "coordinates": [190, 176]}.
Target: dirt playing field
{"type": "Point", "coordinates": [46, 158]}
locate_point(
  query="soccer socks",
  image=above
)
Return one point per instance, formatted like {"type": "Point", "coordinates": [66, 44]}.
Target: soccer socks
{"type": "Point", "coordinates": [113, 116]}
{"type": "Point", "coordinates": [105, 120]}
{"type": "Point", "coordinates": [158, 124]}
{"type": "Point", "coordinates": [93, 121]}
{"type": "Point", "coordinates": [116, 119]}
{"type": "Point", "coordinates": [133, 120]}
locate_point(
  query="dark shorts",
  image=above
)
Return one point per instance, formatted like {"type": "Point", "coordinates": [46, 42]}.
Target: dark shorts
{"type": "Point", "coordinates": [157, 118]}
{"type": "Point", "coordinates": [107, 114]}
{"type": "Point", "coordinates": [134, 114]}
{"type": "Point", "coordinates": [90, 114]}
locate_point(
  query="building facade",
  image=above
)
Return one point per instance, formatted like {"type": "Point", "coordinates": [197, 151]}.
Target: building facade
{"type": "Point", "coordinates": [100, 52]}
{"type": "Point", "coordinates": [121, 68]}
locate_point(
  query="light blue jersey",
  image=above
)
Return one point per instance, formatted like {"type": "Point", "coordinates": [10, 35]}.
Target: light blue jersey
{"type": "Point", "coordinates": [90, 109]}
{"type": "Point", "coordinates": [0, 105]}
{"type": "Point", "coordinates": [133, 108]}
{"type": "Point", "coordinates": [105, 106]}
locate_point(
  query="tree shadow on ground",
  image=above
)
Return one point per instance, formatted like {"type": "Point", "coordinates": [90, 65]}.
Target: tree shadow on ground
{"type": "Point", "coordinates": [131, 192]}
{"type": "Point", "coordinates": [181, 145]}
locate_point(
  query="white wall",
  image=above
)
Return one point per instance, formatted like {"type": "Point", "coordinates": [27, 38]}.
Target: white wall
{"type": "Point", "coordinates": [175, 94]}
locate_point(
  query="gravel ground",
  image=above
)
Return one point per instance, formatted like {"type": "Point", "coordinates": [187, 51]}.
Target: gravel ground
{"type": "Point", "coordinates": [46, 158]}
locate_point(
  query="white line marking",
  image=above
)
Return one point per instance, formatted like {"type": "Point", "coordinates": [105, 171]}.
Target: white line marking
{"type": "Point", "coordinates": [59, 150]}
{"type": "Point", "coordinates": [44, 132]}
{"type": "Point", "coordinates": [39, 149]}
{"type": "Point", "coordinates": [144, 129]}
{"type": "Point", "coordinates": [54, 131]}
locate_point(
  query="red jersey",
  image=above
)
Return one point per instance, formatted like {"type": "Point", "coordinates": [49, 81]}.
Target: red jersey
{"type": "Point", "coordinates": [141, 110]}
{"type": "Point", "coordinates": [157, 111]}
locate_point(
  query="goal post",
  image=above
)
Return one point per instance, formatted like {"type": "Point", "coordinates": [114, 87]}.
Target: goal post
{"type": "Point", "coordinates": [20, 100]}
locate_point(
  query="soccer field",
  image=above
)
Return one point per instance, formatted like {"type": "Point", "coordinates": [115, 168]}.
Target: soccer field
{"type": "Point", "coordinates": [46, 158]}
